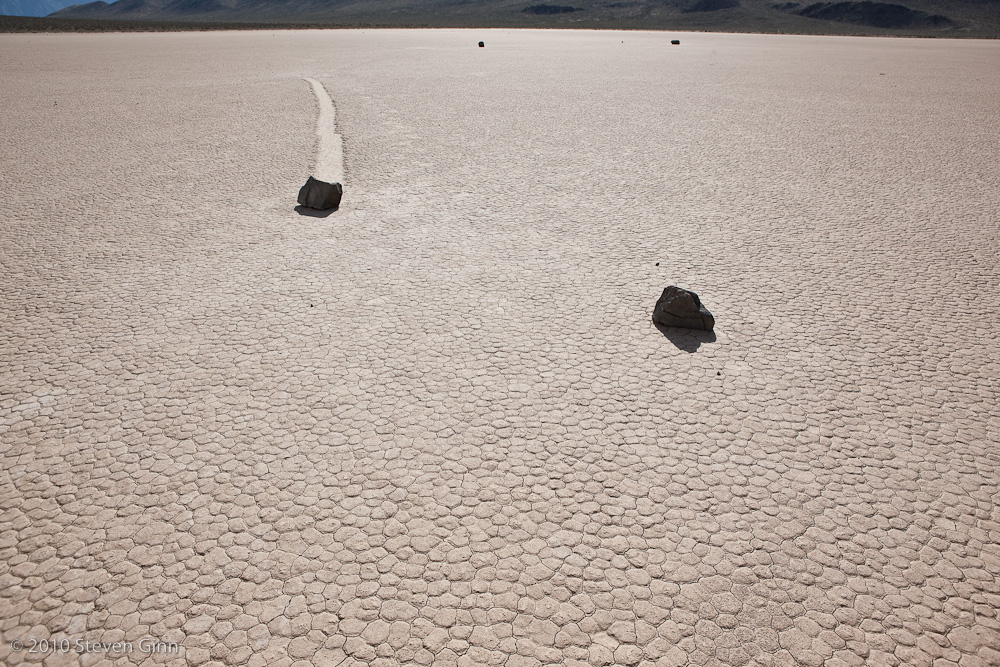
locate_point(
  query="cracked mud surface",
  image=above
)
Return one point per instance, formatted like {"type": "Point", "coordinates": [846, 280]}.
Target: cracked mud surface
{"type": "Point", "coordinates": [438, 427]}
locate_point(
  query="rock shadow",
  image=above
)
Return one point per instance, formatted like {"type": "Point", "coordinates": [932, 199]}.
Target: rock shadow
{"type": "Point", "coordinates": [688, 340]}
{"type": "Point", "coordinates": [313, 213]}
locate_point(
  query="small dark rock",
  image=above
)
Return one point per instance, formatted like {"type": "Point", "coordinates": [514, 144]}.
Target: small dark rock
{"type": "Point", "coordinates": [482, 44]}
{"type": "Point", "coordinates": [657, 263]}
{"type": "Point", "coordinates": [675, 42]}
{"type": "Point", "coordinates": [677, 307]}
{"type": "Point", "coordinates": [320, 195]}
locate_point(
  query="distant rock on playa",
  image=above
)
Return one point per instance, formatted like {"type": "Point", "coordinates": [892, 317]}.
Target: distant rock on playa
{"type": "Point", "coordinates": [678, 307]}
{"type": "Point", "coordinates": [320, 195]}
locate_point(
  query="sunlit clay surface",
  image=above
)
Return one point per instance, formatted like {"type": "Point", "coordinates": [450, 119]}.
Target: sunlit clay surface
{"type": "Point", "coordinates": [437, 426]}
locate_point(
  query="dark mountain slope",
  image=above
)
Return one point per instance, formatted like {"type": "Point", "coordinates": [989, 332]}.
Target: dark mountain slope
{"type": "Point", "coordinates": [953, 18]}
{"type": "Point", "coordinates": [877, 14]}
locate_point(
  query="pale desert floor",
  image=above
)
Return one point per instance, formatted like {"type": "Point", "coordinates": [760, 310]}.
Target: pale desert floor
{"type": "Point", "coordinates": [438, 426]}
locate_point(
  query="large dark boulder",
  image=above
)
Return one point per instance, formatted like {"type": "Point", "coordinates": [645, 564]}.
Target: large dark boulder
{"type": "Point", "coordinates": [320, 195]}
{"type": "Point", "coordinates": [677, 307]}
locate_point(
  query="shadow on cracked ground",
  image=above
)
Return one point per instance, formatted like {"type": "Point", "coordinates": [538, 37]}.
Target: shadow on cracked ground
{"type": "Point", "coordinates": [688, 340]}
{"type": "Point", "coordinates": [313, 213]}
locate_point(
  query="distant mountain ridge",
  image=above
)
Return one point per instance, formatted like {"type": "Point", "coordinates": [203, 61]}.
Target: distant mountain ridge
{"type": "Point", "coordinates": [878, 14]}
{"type": "Point", "coordinates": [944, 17]}
{"type": "Point", "coordinates": [33, 7]}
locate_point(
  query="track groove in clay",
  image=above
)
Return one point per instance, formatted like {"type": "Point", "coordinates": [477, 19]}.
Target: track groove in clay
{"type": "Point", "coordinates": [330, 145]}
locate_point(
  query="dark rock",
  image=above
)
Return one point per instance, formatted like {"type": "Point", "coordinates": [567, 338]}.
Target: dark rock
{"type": "Point", "coordinates": [482, 44]}
{"type": "Point", "coordinates": [675, 42]}
{"type": "Point", "coordinates": [320, 195]}
{"type": "Point", "coordinates": [677, 307]}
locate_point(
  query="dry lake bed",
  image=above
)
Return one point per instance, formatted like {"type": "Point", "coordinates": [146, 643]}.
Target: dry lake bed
{"type": "Point", "coordinates": [437, 426]}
